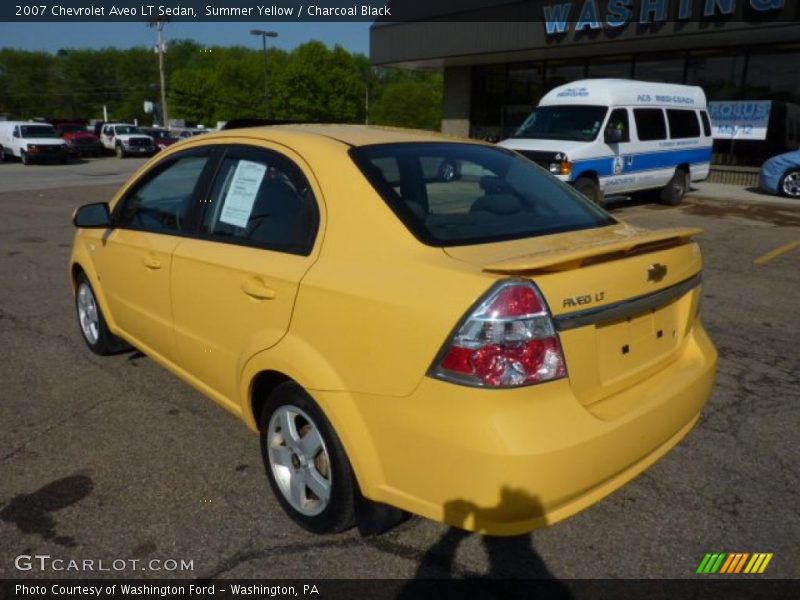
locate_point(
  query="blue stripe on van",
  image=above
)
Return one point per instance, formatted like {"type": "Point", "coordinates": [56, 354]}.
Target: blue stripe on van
{"type": "Point", "coordinates": [644, 161]}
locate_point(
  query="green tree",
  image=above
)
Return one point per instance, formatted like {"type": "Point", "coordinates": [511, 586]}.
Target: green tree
{"type": "Point", "coordinates": [413, 103]}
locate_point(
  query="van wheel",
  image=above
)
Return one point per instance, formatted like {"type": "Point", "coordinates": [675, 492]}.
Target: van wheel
{"type": "Point", "coordinates": [675, 190]}
{"type": "Point", "coordinates": [591, 189]}
{"type": "Point", "coordinates": [305, 462]}
{"type": "Point", "coordinates": [790, 184]}
{"type": "Point", "coordinates": [120, 151]}
{"type": "Point", "coordinates": [23, 156]}
{"type": "Point", "coordinates": [92, 322]}
{"type": "Point", "coordinates": [3, 155]}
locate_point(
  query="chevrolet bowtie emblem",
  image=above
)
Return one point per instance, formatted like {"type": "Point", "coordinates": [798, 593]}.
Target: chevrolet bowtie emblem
{"type": "Point", "coordinates": [656, 272]}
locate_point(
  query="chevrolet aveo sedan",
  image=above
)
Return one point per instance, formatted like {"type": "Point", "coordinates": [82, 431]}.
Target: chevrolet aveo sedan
{"type": "Point", "coordinates": [487, 349]}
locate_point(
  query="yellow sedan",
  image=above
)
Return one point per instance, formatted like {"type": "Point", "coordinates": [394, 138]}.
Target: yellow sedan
{"type": "Point", "coordinates": [413, 323]}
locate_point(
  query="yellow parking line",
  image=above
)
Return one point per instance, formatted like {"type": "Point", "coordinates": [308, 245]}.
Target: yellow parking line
{"type": "Point", "coordinates": [765, 258]}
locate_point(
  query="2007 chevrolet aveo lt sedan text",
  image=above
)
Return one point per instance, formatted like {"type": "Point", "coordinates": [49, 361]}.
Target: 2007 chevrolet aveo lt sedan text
{"type": "Point", "coordinates": [410, 320]}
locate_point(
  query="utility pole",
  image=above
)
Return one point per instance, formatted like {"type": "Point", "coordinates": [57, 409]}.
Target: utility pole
{"type": "Point", "coordinates": [160, 48]}
{"type": "Point", "coordinates": [264, 35]}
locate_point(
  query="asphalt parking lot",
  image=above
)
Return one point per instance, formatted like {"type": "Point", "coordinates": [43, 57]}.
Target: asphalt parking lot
{"type": "Point", "coordinates": [114, 458]}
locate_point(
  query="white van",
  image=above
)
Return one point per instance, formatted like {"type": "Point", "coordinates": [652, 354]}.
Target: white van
{"type": "Point", "coordinates": [31, 142]}
{"type": "Point", "coordinates": [615, 136]}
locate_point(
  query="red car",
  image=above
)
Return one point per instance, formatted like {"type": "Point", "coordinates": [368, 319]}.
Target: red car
{"type": "Point", "coordinates": [162, 137]}
{"type": "Point", "coordinates": [79, 141]}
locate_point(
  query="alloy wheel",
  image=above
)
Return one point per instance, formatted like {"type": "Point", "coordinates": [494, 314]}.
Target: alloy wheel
{"type": "Point", "coordinates": [299, 460]}
{"type": "Point", "coordinates": [87, 314]}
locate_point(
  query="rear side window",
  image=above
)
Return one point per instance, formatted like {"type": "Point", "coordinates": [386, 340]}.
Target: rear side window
{"type": "Point", "coordinates": [650, 124]}
{"type": "Point", "coordinates": [683, 123]}
{"type": "Point", "coordinates": [451, 194]}
{"type": "Point", "coordinates": [261, 198]}
{"type": "Point", "coordinates": [706, 123]}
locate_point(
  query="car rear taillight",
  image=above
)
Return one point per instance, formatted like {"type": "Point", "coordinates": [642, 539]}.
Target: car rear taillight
{"type": "Point", "coordinates": [509, 340]}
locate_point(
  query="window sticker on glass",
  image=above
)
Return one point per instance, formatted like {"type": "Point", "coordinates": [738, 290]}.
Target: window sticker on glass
{"type": "Point", "coordinates": [242, 193]}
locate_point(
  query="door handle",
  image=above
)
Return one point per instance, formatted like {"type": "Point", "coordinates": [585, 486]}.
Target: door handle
{"type": "Point", "coordinates": [151, 262]}
{"type": "Point", "coordinates": [255, 288]}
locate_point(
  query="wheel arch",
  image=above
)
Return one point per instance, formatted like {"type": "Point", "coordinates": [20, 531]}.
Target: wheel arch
{"type": "Point", "coordinates": [588, 174]}
{"type": "Point", "coordinates": [294, 361]}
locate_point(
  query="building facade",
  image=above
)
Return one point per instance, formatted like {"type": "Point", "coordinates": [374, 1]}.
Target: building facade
{"type": "Point", "coordinates": [495, 72]}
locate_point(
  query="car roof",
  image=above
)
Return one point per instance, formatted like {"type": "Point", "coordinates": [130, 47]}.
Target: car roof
{"type": "Point", "coordinates": [351, 135]}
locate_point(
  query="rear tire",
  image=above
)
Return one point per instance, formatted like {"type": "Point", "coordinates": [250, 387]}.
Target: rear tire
{"type": "Point", "coordinates": [3, 155]}
{"type": "Point", "coordinates": [790, 184]}
{"type": "Point", "coordinates": [92, 323]}
{"type": "Point", "coordinates": [591, 189]}
{"type": "Point", "coordinates": [673, 193]}
{"type": "Point", "coordinates": [305, 462]}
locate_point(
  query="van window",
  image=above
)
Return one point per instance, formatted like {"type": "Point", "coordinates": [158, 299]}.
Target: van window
{"type": "Point", "coordinates": [682, 123]}
{"type": "Point", "coordinates": [650, 124]}
{"type": "Point", "coordinates": [619, 121]}
{"type": "Point", "coordinates": [706, 123]}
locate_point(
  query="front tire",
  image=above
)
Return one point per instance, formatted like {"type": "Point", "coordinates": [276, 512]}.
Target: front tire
{"type": "Point", "coordinates": [305, 462]}
{"type": "Point", "coordinates": [673, 193]}
{"type": "Point", "coordinates": [120, 151]}
{"type": "Point", "coordinates": [91, 321]}
{"type": "Point", "coordinates": [591, 189]}
{"type": "Point", "coordinates": [790, 184]}
{"type": "Point", "coordinates": [23, 156]}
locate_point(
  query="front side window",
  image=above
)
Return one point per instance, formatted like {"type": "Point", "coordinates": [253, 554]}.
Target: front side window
{"type": "Point", "coordinates": [682, 123]}
{"type": "Point", "coordinates": [451, 194]}
{"type": "Point", "coordinates": [261, 198]}
{"type": "Point", "coordinates": [161, 203]}
{"type": "Point", "coordinates": [650, 124]}
{"type": "Point", "coordinates": [618, 121]}
{"type": "Point", "coordinates": [569, 122]}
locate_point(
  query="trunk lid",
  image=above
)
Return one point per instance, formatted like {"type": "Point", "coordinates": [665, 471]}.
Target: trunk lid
{"type": "Point", "coordinates": [623, 298]}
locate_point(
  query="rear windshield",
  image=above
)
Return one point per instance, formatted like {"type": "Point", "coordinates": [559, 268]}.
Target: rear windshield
{"type": "Point", "coordinates": [452, 194]}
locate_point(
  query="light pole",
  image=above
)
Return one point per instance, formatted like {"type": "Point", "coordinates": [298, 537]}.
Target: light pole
{"type": "Point", "coordinates": [264, 35]}
{"type": "Point", "coordinates": [159, 26]}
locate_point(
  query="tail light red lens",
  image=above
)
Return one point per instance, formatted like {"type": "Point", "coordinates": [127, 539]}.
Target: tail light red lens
{"type": "Point", "coordinates": [509, 340]}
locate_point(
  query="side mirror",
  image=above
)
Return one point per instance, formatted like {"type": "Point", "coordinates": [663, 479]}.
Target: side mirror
{"type": "Point", "coordinates": [92, 216]}
{"type": "Point", "coordinates": [15, 134]}
{"type": "Point", "coordinates": [613, 135]}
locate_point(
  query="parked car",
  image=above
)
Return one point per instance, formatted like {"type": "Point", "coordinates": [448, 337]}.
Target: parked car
{"type": "Point", "coordinates": [125, 139]}
{"type": "Point", "coordinates": [162, 138]}
{"type": "Point", "coordinates": [494, 351]}
{"type": "Point", "coordinates": [781, 175]}
{"type": "Point", "coordinates": [617, 136]}
{"type": "Point", "coordinates": [31, 142]}
{"type": "Point", "coordinates": [80, 142]}
{"type": "Point", "coordinates": [190, 132]}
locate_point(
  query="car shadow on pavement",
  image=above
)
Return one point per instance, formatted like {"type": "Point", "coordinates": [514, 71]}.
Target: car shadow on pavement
{"type": "Point", "coordinates": [515, 568]}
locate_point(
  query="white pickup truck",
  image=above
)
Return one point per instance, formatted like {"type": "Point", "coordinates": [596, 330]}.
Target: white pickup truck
{"type": "Point", "coordinates": [125, 139]}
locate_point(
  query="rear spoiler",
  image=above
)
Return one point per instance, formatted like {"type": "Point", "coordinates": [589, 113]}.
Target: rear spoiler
{"type": "Point", "coordinates": [639, 242]}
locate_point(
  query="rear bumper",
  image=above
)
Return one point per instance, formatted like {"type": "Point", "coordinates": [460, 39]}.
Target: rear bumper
{"type": "Point", "coordinates": [511, 461]}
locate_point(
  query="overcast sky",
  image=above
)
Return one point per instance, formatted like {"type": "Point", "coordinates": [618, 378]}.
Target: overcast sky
{"type": "Point", "coordinates": [53, 36]}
